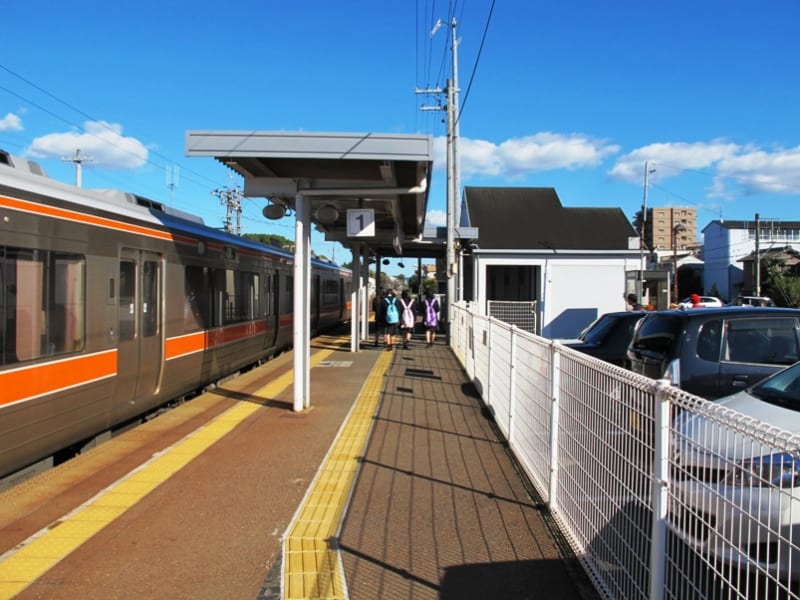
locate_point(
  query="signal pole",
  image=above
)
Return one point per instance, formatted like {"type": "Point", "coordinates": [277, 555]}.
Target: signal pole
{"type": "Point", "coordinates": [78, 160]}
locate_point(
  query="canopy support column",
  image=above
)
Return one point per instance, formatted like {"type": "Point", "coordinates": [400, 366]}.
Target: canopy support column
{"type": "Point", "coordinates": [302, 304]}
{"type": "Point", "coordinates": [355, 299]}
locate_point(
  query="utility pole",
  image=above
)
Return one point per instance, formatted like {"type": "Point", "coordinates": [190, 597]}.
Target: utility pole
{"type": "Point", "coordinates": [78, 161]}
{"type": "Point", "coordinates": [757, 262]}
{"type": "Point", "coordinates": [456, 118]}
{"type": "Point", "coordinates": [451, 202]}
{"type": "Point", "coordinates": [642, 230]}
{"type": "Point", "coordinates": [173, 176]}
{"type": "Point", "coordinates": [231, 199]}
{"type": "Point", "coordinates": [453, 170]}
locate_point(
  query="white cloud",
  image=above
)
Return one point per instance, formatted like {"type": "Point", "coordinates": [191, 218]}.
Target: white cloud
{"type": "Point", "coordinates": [748, 169]}
{"type": "Point", "coordinates": [101, 141]}
{"type": "Point", "coordinates": [757, 171]}
{"type": "Point", "coordinates": [11, 122]}
{"type": "Point", "coordinates": [670, 158]}
{"type": "Point", "coordinates": [435, 218]}
{"type": "Point", "coordinates": [513, 158]}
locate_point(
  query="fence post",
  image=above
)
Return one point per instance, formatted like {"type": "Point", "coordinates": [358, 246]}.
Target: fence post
{"type": "Point", "coordinates": [512, 377]}
{"type": "Point", "coordinates": [489, 366]}
{"type": "Point", "coordinates": [555, 370]}
{"type": "Point", "coordinates": [660, 492]}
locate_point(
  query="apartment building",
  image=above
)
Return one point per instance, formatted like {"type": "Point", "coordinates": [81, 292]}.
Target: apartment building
{"type": "Point", "coordinates": [661, 224]}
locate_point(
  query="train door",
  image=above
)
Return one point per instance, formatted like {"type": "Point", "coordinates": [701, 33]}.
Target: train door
{"type": "Point", "coordinates": [140, 328]}
{"type": "Point", "coordinates": [316, 304]}
{"type": "Point", "coordinates": [272, 305]}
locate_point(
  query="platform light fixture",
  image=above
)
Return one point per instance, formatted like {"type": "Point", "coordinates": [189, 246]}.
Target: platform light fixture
{"type": "Point", "coordinates": [326, 214]}
{"type": "Point", "coordinates": [274, 212]}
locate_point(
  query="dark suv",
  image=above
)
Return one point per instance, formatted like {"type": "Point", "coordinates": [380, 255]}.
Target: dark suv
{"type": "Point", "coordinates": [713, 352]}
{"type": "Point", "coordinates": [608, 337]}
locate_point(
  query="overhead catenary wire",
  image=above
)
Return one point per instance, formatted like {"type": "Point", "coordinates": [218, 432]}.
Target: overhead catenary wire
{"type": "Point", "coordinates": [477, 60]}
{"type": "Point", "coordinates": [91, 118]}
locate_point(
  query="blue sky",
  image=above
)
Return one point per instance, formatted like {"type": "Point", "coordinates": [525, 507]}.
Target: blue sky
{"type": "Point", "coordinates": [575, 95]}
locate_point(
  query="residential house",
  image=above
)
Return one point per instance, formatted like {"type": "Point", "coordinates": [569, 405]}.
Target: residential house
{"type": "Point", "coordinates": [574, 263]}
{"type": "Point", "coordinates": [786, 255]}
{"type": "Point", "coordinates": [727, 243]}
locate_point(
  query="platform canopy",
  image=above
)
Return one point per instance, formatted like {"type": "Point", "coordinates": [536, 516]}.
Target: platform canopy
{"type": "Point", "coordinates": [339, 173]}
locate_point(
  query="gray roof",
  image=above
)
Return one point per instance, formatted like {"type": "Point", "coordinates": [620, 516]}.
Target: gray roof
{"type": "Point", "coordinates": [532, 218]}
{"type": "Point", "coordinates": [765, 224]}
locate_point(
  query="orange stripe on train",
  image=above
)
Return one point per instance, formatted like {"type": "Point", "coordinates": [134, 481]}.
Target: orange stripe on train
{"type": "Point", "coordinates": [204, 340]}
{"type": "Point", "coordinates": [45, 378]}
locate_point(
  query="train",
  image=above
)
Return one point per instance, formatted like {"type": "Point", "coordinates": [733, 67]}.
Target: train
{"type": "Point", "coordinates": [113, 305]}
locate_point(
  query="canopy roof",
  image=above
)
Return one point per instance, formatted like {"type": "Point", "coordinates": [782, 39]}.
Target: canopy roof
{"type": "Point", "coordinates": [338, 172]}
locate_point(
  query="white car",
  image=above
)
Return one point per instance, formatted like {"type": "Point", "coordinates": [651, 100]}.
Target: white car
{"type": "Point", "coordinates": [736, 495]}
{"type": "Point", "coordinates": [704, 301]}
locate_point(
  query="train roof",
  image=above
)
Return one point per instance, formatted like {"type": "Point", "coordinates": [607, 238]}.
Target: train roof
{"type": "Point", "coordinates": [19, 173]}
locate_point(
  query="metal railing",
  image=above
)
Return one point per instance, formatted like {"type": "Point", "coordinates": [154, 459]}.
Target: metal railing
{"type": "Point", "coordinates": [521, 314]}
{"type": "Point", "coordinates": [655, 489]}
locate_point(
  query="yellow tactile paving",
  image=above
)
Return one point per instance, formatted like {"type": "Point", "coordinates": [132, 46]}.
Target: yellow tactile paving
{"type": "Point", "coordinates": [27, 562]}
{"type": "Point", "coordinates": [312, 564]}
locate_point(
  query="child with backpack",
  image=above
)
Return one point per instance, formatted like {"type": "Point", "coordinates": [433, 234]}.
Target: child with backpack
{"type": "Point", "coordinates": [430, 317]}
{"type": "Point", "coordinates": [407, 317]}
{"type": "Point", "coordinates": [390, 318]}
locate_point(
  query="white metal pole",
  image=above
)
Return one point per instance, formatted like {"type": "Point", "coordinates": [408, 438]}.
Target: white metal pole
{"type": "Point", "coordinates": [302, 304]}
{"type": "Point", "coordinates": [660, 492]}
{"type": "Point", "coordinates": [555, 414]}
{"type": "Point", "coordinates": [365, 294]}
{"type": "Point", "coordinates": [355, 305]}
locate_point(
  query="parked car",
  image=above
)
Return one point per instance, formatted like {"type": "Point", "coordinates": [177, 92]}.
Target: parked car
{"type": "Point", "coordinates": [702, 301]}
{"type": "Point", "coordinates": [607, 337]}
{"type": "Point", "coordinates": [714, 352]}
{"type": "Point", "coordinates": [753, 301]}
{"type": "Point", "coordinates": [746, 492]}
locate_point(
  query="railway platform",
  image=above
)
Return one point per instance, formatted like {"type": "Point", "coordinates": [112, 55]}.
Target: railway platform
{"type": "Point", "coordinates": [394, 484]}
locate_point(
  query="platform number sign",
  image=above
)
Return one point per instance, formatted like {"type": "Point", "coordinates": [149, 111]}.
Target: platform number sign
{"type": "Point", "coordinates": [361, 222]}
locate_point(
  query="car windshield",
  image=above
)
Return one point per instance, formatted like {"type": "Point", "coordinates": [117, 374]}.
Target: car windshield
{"type": "Point", "coordinates": [783, 388]}
{"type": "Point", "coordinates": [597, 331]}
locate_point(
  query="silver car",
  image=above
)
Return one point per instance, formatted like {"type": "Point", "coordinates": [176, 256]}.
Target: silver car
{"type": "Point", "coordinates": [736, 476]}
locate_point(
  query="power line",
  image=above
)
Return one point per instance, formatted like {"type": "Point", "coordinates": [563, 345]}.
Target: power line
{"type": "Point", "coordinates": [87, 116]}
{"type": "Point", "coordinates": [477, 60]}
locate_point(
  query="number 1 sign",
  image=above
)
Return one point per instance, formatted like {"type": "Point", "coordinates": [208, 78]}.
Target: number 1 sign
{"type": "Point", "coordinates": [361, 222]}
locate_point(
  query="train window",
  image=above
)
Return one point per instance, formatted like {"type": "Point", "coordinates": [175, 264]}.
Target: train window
{"type": "Point", "coordinates": [127, 300]}
{"type": "Point", "coordinates": [195, 305]}
{"type": "Point", "coordinates": [42, 305]}
{"type": "Point", "coordinates": [330, 294]}
{"type": "Point", "coordinates": [271, 293]}
{"type": "Point", "coordinates": [150, 295]}
{"type": "Point", "coordinates": [288, 299]}
{"type": "Point", "coordinates": [236, 296]}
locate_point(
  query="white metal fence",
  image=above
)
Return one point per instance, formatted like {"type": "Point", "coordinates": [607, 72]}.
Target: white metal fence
{"type": "Point", "coordinates": [660, 493]}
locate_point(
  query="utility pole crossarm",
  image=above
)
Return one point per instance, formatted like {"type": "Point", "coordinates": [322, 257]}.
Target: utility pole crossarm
{"type": "Point", "coordinates": [78, 161]}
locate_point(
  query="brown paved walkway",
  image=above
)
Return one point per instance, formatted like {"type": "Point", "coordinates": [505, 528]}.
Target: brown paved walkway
{"type": "Point", "coordinates": [439, 510]}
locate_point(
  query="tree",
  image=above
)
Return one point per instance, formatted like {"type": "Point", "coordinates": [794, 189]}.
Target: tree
{"type": "Point", "coordinates": [638, 224]}
{"type": "Point", "coordinates": [779, 283]}
{"type": "Point", "coordinates": [271, 239]}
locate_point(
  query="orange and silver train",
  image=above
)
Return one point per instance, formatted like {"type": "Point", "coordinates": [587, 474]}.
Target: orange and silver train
{"type": "Point", "coordinates": [112, 305]}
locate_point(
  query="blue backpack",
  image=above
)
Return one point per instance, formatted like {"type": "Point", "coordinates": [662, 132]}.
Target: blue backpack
{"type": "Point", "coordinates": [392, 314]}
